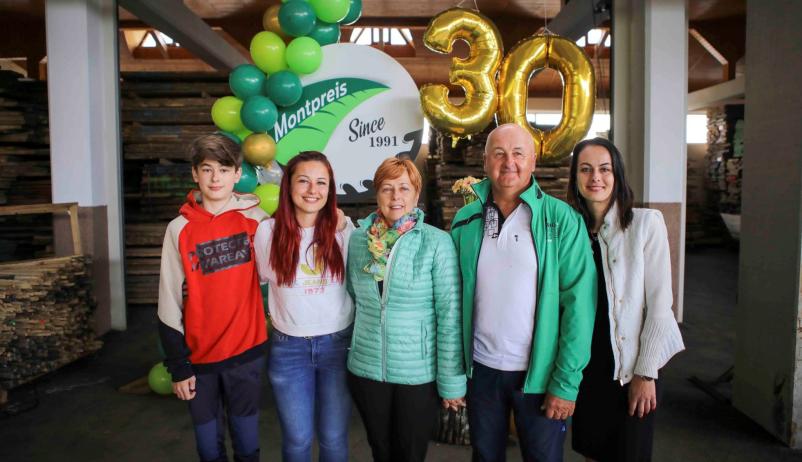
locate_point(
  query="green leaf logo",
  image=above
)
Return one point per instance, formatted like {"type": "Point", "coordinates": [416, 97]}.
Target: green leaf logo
{"type": "Point", "coordinates": [308, 125]}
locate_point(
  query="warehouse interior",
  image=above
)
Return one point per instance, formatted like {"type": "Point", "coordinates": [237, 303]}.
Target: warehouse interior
{"type": "Point", "coordinates": [98, 99]}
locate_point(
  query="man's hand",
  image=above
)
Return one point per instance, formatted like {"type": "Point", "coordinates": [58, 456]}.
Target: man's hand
{"type": "Point", "coordinates": [341, 221]}
{"type": "Point", "coordinates": [642, 397]}
{"type": "Point", "coordinates": [454, 404]}
{"type": "Point", "coordinates": [557, 408]}
{"type": "Point", "coordinates": [185, 389]}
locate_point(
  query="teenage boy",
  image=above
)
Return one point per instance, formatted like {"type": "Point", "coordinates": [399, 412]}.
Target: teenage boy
{"type": "Point", "coordinates": [211, 318]}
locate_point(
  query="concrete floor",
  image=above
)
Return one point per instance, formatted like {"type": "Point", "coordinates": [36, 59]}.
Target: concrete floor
{"type": "Point", "coordinates": [78, 414]}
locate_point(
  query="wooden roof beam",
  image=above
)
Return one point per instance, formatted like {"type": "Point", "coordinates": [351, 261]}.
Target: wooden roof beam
{"type": "Point", "coordinates": [182, 25]}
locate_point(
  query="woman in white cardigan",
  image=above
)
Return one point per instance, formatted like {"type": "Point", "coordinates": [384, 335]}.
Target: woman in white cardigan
{"type": "Point", "coordinates": [635, 332]}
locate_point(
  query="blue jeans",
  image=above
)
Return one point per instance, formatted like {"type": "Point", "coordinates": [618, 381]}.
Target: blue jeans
{"type": "Point", "coordinates": [234, 391]}
{"type": "Point", "coordinates": [491, 396]}
{"type": "Point", "coordinates": [308, 376]}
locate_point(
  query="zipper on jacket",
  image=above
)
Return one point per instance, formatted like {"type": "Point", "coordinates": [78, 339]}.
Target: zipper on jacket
{"type": "Point", "coordinates": [610, 310]}
{"type": "Point", "coordinates": [383, 302]}
{"type": "Point", "coordinates": [537, 301]}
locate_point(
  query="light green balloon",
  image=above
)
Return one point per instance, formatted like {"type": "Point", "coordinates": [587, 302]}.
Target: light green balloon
{"type": "Point", "coordinates": [225, 114]}
{"type": "Point", "coordinates": [304, 55]}
{"type": "Point", "coordinates": [268, 52]}
{"type": "Point", "coordinates": [331, 10]}
{"type": "Point", "coordinates": [268, 195]}
{"type": "Point", "coordinates": [160, 380]}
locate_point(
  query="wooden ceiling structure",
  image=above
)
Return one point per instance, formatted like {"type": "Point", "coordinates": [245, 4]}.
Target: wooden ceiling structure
{"type": "Point", "coordinates": [717, 30]}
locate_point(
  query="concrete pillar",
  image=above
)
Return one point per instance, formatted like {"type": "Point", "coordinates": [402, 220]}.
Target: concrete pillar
{"type": "Point", "coordinates": [768, 353]}
{"type": "Point", "coordinates": [83, 98]}
{"type": "Point", "coordinates": [649, 106]}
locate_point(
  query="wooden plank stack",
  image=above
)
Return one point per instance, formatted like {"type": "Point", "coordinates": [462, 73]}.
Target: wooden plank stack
{"type": "Point", "coordinates": [46, 309]}
{"type": "Point", "coordinates": [161, 114]}
{"type": "Point", "coordinates": [447, 163]}
{"type": "Point", "coordinates": [24, 167]}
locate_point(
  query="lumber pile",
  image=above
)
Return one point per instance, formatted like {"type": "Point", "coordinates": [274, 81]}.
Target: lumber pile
{"type": "Point", "coordinates": [448, 163]}
{"type": "Point", "coordinates": [46, 309]}
{"type": "Point", "coordinates": [24, 167]}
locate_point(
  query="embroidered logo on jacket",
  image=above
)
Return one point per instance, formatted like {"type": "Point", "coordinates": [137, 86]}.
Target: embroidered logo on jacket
{"type": "Point", "coordinates": [552, 231]}
{"type": "Point", "coordinates": [220, 254]}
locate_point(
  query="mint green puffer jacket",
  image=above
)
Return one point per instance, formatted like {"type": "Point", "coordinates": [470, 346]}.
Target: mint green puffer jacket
{"type": "Point", "coordinates": [412, 333]}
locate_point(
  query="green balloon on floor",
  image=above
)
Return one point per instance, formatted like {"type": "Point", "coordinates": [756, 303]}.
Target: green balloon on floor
{"type": "Point", "coordinates": [160, 380]}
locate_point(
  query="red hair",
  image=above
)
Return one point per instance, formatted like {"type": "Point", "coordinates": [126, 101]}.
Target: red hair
{"type": "Point", "coordinates": [285, 250]}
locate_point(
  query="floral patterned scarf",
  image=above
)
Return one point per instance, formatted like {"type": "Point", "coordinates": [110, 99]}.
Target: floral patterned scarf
{"type": "Point", "coordinates": [381, 239]}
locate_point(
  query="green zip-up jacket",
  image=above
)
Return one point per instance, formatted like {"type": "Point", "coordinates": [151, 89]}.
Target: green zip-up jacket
{"type": "Point", "coordinates": [409, 334]}
{"type": "Point", "coordinates": [566, 288]}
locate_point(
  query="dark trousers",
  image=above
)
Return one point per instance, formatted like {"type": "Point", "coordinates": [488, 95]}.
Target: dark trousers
{"type": "Point", "coordinates": [399, 419]}
{"type": "Point", "coordinates": [234, 391]}
{"type": "Point", "coordinates": [492, 394]}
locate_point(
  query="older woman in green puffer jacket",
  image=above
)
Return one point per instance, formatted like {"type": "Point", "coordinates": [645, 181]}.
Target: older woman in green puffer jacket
{"type": "Point", "coordinates": [406, 349]}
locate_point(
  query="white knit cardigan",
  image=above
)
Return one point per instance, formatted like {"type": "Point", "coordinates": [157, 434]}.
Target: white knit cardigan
{"type": "Point", "coordinates": [637, 272]}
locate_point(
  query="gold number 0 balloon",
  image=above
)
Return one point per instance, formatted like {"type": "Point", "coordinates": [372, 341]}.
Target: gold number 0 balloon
{"type": "Point", "coordinates": [579, 91]}
{"type": "Point", "coordinates": [475, 74]}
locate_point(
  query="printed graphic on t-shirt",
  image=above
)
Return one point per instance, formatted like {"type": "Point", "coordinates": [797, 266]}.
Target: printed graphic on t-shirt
{"type": "Point", "coordinates": [311, 279]}
{"type": "Point", "coordinates": [220, 254]}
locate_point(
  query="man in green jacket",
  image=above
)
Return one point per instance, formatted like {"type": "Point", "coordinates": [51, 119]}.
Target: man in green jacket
{"type": "Point", "coordinates": [528, 303]}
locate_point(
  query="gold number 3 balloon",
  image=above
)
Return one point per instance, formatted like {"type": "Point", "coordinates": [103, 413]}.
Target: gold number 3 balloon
{"type": "Point", "coordinates": [579, 91]}
{"type": "Point", "coordinates": [476, 73]}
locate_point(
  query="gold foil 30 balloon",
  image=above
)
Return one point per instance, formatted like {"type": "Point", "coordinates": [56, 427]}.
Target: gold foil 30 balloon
{"type": "Point", "coordinates": [579, 91]}
{"type": "Point", "coordinates": [476, 73]}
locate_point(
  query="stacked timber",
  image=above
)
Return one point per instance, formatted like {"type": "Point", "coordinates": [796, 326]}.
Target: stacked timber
{"type": "Point", "coordinates": [448, 163]}
{"type": "Point", "coordinates": [46, 312]}
{"type": "Point", "coordinates": [24, 167]}
{"type": "Point", "coordinates": [161, 114]}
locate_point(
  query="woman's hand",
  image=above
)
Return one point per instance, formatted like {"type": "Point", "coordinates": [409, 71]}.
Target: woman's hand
{"type": "Point", "coordinates": [454, 404]}
{"type": "Point", "coordinates": [341, 221]}
{"type": "Point", "coordinates": [642, 397]}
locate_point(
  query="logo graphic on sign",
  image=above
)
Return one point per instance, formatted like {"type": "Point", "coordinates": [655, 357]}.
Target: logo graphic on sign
{"type": "Point", "coordinates": [359, 108]}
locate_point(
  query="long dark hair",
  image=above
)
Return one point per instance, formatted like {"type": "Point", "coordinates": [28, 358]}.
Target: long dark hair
{"type": "Point", "coordinates": [284, 253]}
{"type": "Point", "coordinates": [622, 193]}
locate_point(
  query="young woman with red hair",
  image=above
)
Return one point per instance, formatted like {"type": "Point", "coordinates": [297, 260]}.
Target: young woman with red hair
{"type": "Point", "coordinates": [299, 253]}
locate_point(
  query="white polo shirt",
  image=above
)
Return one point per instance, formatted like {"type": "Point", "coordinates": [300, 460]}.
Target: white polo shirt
{"type": "Point", "coordinates": [506, 291]}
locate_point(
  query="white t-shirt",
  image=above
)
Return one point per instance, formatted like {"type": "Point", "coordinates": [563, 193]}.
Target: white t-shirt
{"type": "Point", "coordinates": [506, 292]}
{"type": "Point", "coordinates": [315, 304]}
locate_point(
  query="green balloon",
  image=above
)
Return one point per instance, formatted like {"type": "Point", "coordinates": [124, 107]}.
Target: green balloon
{"type": "Point", "coordinates": [325, 33]}
{"type": "Point", "coordinates": [304, 55]}
{"type": "Point", "coordinates": [242, 134]}
{"type": "Point", "coordinates": [354, 12]}
{"type": "Point", "coordinates": [296, 18]}
{"type": "Point", "coordinates": [331, 10]}
{"type": "Point", "coordinates": [284, 88]}
{"type": "Point", "coordinates": [267, 51]}
{"type": "Point", "coordinates": [248, 181]}
{"type": "Point", "coordinates": [259, 113]}
{"type": "Point", "coordinates": [268, 197]}
{"type": "Point", "coordinates": [232, 136]}
{"type": "Point", "coordinates": [226, 114]}
{"type": "Point", "coordinates": [246, 80]}
{"type": "Point", "coordinates": [160, 380]}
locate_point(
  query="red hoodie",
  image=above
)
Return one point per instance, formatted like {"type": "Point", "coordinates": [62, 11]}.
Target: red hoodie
{"type": "Point", "coordinates": [210, 304]}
